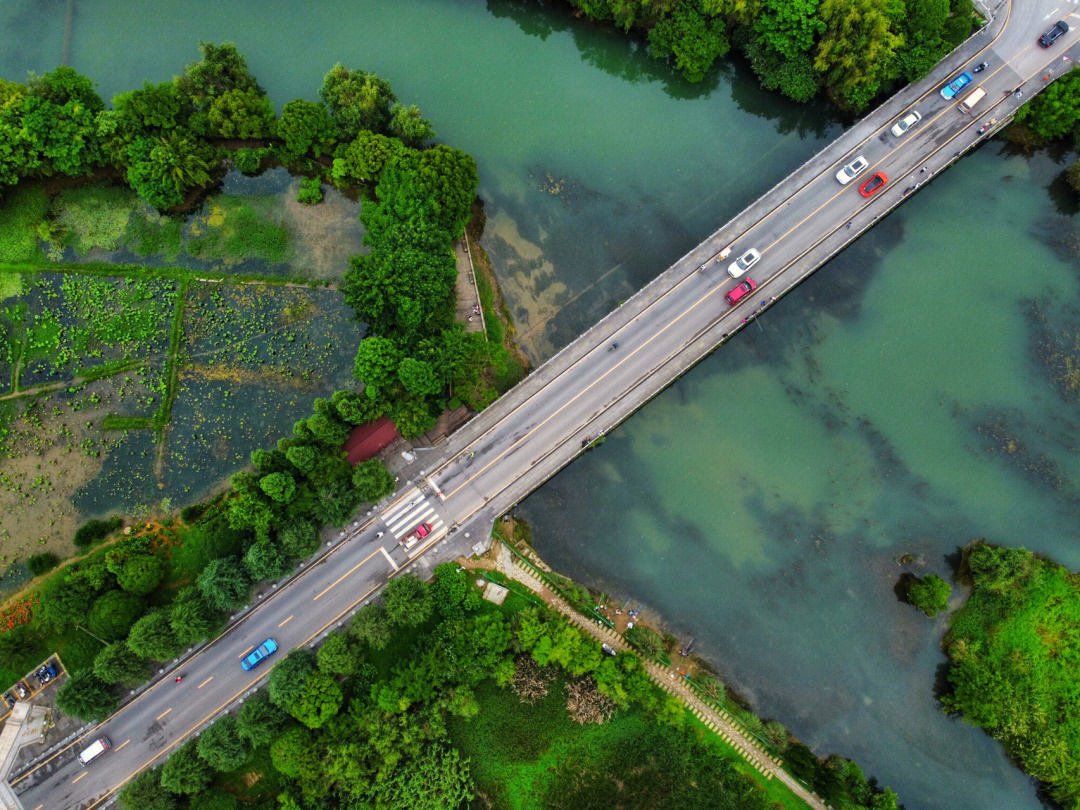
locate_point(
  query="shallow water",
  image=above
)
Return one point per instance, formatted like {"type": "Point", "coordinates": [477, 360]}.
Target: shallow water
{"type": "Point", "coordinates": [894, 403]}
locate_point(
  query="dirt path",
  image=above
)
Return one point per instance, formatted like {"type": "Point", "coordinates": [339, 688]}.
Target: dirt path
{"type": "Point", "coordinates": [468, 297]}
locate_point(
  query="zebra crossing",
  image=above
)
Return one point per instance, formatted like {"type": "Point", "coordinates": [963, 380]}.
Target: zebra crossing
{"type": "Point", "coordinates": [411, 510]}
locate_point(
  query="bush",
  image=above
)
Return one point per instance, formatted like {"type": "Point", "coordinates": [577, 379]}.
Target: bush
{"type": "Point", "coordinates": [94, 530]}
{"type": "Point", "coordinates": [113, 613]}
{"type": "Point", "coordinates": [141, 573]}
{"type": "Point", "coordinates": [38, 564]}
{"type": "Point", "coordinates": [193, 511]}
{"type": "Point", "coordinates": [310, 191]}
{"type": "Point", "coordinates": [21, 211]}
{"type": "Point", "coordinates": [249, 161]}
{"type": "Point", "coordinates": [929, 594]}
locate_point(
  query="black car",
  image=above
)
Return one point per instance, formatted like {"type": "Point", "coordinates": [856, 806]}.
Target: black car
{"type": "Point", "coordinates": [1052, 36]}
{"type": "Point", "coordinates": [9, 699]}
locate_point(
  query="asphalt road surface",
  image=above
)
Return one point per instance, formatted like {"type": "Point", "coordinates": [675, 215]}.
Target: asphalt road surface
{"type": "Point", "coordinates": [589, 387]}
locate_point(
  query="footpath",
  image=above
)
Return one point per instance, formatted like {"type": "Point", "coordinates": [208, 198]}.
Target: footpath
{"type": "Point", "coordinates": [718, 720]}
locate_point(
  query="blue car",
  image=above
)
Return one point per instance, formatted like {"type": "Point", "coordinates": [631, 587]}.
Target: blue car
{"type": "Point", "coordinates": [956, 85]}
{"type": "Point", "coordinates": [264, 650]}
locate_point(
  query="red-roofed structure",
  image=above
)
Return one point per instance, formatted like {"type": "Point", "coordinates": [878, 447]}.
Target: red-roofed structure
{"type": "Point", "coordinates": [367, 440]}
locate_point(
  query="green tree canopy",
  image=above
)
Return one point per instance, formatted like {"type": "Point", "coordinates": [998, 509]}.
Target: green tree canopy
{"type": "Point", "coordinates": [305, 126]}
{"type": "Point", "coordinates": [407, 600]}
{"type": "Point", "coordinates": [930, 594]}
{"type": "Point", "coordinates": [220, 745]}
{"type": "Point", "coordinates": [857, 51]}
{"type": "Point", "coordinates": [409, 126]}
{"type": "Point", "coordinates": [144, 793]}
{"type": "Point", "coordinates": [693, 37]}
{"type": "Point", "coordinates": [113, 613]}
{"type": "Point", "coordinates": [299, 539]}
{"type": "Point", "coordinates": [141, 573]}
{"type": "Point", "coordinates": [184, 772]}
{"type": "Point", "coordinates": [265, 560]}
{"type": "Point", "coordinates": [371, 626]}
{"type": "Point", "coordinates": [118, 663]}
{"type": "Point", "coordinates": [85, 696]}
{"type": "Point", "coordinates": [372, 480]}
{"type": "Point", "coordinates": [357, 101]}
{"type": "Point", "coordinates": [259, 720]}
{"type": "Point", "coordinates": [152, 637]}
{"type": "Point", "coordinates": [191, 616]}
{"type": "Point", "coordinates": [224, 583]}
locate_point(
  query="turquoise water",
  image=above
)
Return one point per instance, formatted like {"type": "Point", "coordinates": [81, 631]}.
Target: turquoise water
{"type": "Point", "coordinates": [895, 403]}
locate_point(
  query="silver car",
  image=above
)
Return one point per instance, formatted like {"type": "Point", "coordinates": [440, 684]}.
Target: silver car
{"type": "Point", "coordinates": [852, 170]}
{"type": "Point", "coordinates": [906, 123]}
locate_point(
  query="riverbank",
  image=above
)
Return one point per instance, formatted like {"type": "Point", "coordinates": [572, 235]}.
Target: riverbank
{"type": "Point", "coordinates": [766, 746]}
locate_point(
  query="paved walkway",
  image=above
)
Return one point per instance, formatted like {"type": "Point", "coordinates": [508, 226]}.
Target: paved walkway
{"type": "Point", "coordinates": [468, 297]}
{"type": "Point", "coordinates": [667, 679]}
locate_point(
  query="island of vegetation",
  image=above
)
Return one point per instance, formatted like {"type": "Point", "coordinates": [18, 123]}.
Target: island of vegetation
{"type": "Point", "coordinates": [1013, 651]}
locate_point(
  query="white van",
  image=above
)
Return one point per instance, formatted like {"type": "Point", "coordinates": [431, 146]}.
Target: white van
{"type": "Point", "coordinates": [973, 98]}
{"type": "Point", "coordinates": [94, 750]}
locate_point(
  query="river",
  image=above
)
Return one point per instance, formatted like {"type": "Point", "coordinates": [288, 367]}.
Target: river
{"type": "Point", "coordinates": [895, 403]}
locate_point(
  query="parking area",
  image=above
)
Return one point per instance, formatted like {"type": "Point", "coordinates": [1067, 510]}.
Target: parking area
{"type": "Point", "coordinates": [31, 684]}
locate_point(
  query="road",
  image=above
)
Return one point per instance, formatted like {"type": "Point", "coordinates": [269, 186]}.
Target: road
{"type": "Point", "coordinates": [585, 390]}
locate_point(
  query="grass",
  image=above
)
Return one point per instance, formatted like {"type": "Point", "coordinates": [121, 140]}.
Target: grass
{"type": "Point", "coordinates": [93, 216]}
{"type": "Point", "coordinates": [240, 228]}
{"type": "Point", "coordinates": [23, 209]}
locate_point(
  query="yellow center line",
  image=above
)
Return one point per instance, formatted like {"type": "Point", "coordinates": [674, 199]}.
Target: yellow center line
{"type": "Point", "coordinates": [80, 776]}
{"type": "Point", "coordinates": [121, 745]}
{"type": "Point", "coordinates": [285, 622]}
{"type": "Point", "coordinates": [928, 94]}
{"type": "Point", "coordinates": [39, 807]}
{"type": "Point", "coordinates": [336, 581]}
{"type": "Point", "coordinates": [204, 683]}
{"type": "Point", "coordinates": [249, 649]}
{"type": "Point", "coordinates": [164, 713]}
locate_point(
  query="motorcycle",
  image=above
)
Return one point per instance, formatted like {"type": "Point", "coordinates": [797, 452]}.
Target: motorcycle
{"type": "Point", "coordinates": [179, 678]}
{"type": "Point", "coordinates": [979, 68]}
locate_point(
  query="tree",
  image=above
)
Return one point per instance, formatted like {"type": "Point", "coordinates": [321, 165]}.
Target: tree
{"type": "Point", "coordinates": [141, 573]}
{"type": "Point", "coordinates": [221, 69]}
{"type": "Point", "coordinates": [118, 663]}
{"type": "Point", "coordinates": [295, 754]}
{"type": "Point", "coordinates": [789, 27]}
{"type": "Point", "coordinates": [438, 780]}
{"type": "Point", "coordinates": [280, 486]}
{"type": "Point", "coordinates": [214, 799]}
{"type": "Point", "coordinates": [407, 600]}
{"type": "Point", "coordinates": [302, 457]}
{"type": "Point", "coordinates": [305, 126]}
{"type": "Point", "coordinates": [357, 101]}
{"type": "Point", "coordinates": [220, 745]}
{"type": "Point", "coordinates": [327, 430]}
{"type": "Point", "coordinates": [240, 114]}
{"type": "Point", "coordinates": [340, 655]}
{"type": "Point", "coordinates": [529, 681]}
{"type": "Point", "coordinates": [191, 617]}
{"type": "Point", "coordinates": [371, 625]}
{"type": "Point", "coordinates": [288, 677]}
{"type": "Point", "coordinates": [154, 109]}
{"type": "Point", "coordinates": [372, 480]}
{"type": "Point", "coordinates": [929, 594]}
{"type": "Point", "coordinates": [412, 418]}
{"type": "Point", "coordinates": [409, 126]}
{"type": "Point", "coordinates": [377, 363]}
{"type": "Point", "coordinates": [857, 51]}
{"type": "Point", "coordinates": [113, 613]}
{"type": "Point", "coordinates": [264, 560]}
{"type": "Point", "coordinates": [1055, 112]}
{"type": "Point", "coordinates": [85, 696]}
{"type": "Point", "coordinates": [317, 701]}
{"type": "Point", "coordinates": [690, 35]}
{"type": "Point", "coordinates": [65, 596]}
{"type": "Point", "coordinates": [161, 169]}
{"type": "Point", "coordinates": [648, 642]}
{"type": "Point", "coordinates": [259, 720]}
{"type": "Point", "coordinates": [448, 176]}
{"type": "Point", "coordinates": [224, 583]}
{"type": "Point", "coordinates": [418, 377]}
{"type": "Point", "coordinates": [144, 793]}
{"type": "Point", "coordinates": [299, 539]}
{"type": "Point", "coordinates": [184, 772]}
{"type": "Point", "coordinates": [364, 158]}
{"type": "Point", "coordinates": [152, 637]}
{"type": "Point", "coordinates": [58, 123]}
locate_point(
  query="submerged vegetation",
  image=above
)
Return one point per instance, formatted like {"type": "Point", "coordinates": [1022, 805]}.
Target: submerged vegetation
{"type": "Point", "coordinates": [1014, 651]}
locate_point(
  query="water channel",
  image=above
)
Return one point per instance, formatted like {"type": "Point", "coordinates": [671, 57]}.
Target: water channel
{"type": "Point", "coordinates": [896, 403]}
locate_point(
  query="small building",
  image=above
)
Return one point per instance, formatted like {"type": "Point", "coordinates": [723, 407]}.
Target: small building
{"type": "Point", "coordinates": [367, 441]}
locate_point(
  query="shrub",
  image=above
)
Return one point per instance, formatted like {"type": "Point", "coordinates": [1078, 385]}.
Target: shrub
{"type": "Point", "coordinates": [310, 191]}
{"type": "Point", "coordinates": [929, 594]}
{"type": "Point", "coordinates": [94, 530]}
{"type": "Point", "coordinates": [21, 211]}
{"type": "Point", "coordinates": [113, 613]}
{"type": "Point", "coordinates": [193, 511]}
{"type": "Point", "coordinates": [38, 564]}
{"type": "Point", "coordinates": [249, 161]}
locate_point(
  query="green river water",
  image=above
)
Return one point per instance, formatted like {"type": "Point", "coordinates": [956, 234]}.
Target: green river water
{"type": "Point", "coordinates": [900, 401]}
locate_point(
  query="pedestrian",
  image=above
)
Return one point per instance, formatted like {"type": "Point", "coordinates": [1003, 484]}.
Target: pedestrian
{"type": "Point", "coordinates": [848, 225]}
{"type": "Point", "coordinates": [923, 169]}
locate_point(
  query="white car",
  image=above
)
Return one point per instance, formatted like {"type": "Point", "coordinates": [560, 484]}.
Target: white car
{"type": "Point", "coordinates": [906, 123]}
{"type": "Point", "coordinates": [852, 170]}
{"type": "Point", "coordinates": [743, 263]}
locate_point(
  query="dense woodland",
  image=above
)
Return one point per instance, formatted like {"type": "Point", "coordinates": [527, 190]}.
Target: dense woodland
{"type": "Point", "coordinates": [1014, 652]}
{"type": "Point", "coordinates": [852, 50]}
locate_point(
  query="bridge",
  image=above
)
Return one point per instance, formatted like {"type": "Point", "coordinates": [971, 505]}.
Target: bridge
{"type": "Point", "coordinates": [584, 391]}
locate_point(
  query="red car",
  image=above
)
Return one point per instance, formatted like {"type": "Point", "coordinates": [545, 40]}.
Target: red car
{"type": "Point", "coordinates": [875, 184]}
{"type": "Point", "coordinates": [742, 289]}
{"type": "Point", "coordinates": [409, 540]}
